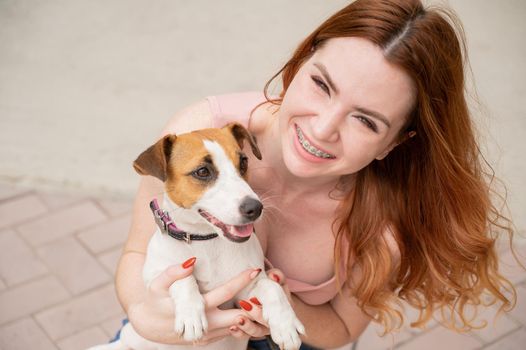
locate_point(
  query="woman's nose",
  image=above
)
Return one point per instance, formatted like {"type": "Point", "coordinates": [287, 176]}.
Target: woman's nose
{"type": "Point", "coordinates": [325, 128]}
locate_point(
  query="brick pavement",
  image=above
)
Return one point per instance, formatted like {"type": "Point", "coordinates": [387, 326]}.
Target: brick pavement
{"type": "Point", "coordinates": [58, 254]}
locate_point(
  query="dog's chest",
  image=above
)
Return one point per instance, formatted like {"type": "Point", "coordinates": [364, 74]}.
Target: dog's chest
{"type": "Point", "coordinates": [217, 259]}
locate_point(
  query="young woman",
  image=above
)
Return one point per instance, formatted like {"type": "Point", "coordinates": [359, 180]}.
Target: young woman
{"type": "Point", "coordinates": [372, 181]}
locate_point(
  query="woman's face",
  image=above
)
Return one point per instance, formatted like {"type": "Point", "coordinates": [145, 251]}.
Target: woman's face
{"type": "Point", "coordinates": [348, 103]}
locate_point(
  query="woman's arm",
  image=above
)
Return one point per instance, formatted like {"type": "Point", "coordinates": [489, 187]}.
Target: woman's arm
{"type": "Point", "coordinates": [129, 282]}
{"type": "Point", "coordinates": [333, 324]}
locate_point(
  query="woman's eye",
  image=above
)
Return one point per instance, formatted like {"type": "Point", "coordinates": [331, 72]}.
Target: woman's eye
{"type": "Point", "coordinates": [368, 123]}
{"type": "Point", "coordinates": [321, 85]}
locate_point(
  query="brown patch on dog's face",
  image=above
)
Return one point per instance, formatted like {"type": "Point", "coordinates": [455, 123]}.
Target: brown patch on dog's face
{"type": "Point", "coordinates": [191, 168]}
{"type": "Point", "coordinates": [185, 165]}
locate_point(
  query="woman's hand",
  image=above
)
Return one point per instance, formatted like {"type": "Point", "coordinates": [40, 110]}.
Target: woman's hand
{"type": "Point", "coordinates": [153, 318]}
{"type": "Point", "coordinates": [252, 323]}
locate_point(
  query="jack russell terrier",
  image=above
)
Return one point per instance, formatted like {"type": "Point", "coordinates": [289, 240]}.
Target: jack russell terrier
{"type": "Point", "coordinates": [209, 211]}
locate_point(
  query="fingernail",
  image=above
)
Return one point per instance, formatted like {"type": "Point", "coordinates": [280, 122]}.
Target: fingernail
{"type": "Point", "coordinates": [233, 328]}
{"type": "Point", "coordinates": [255, 273]}
{"type": "Point", "coordinates": [275, 277]}
{"type": "Point", "coordinates": [188, 263]}
{"type": "Point", "coordinates": [241, 321]}
{"type": "Point", "coordinates": [245, 305]}
{"type": "Point", "coordinates": [255, 300]}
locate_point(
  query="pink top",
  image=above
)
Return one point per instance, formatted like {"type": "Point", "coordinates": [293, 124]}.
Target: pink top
{"type": "Point", "coordinates": [237, 107]}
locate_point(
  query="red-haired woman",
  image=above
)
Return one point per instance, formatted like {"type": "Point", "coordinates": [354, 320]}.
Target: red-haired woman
{"type": "Point", "coordinates": [372, 181]}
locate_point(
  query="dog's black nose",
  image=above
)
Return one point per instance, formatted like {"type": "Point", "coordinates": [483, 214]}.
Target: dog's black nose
{"type": "Point", "coordinates": [250, 208]}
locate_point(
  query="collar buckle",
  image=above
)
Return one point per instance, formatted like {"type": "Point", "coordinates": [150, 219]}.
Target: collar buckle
{"type": "Point", "coordinates": [158, 215]}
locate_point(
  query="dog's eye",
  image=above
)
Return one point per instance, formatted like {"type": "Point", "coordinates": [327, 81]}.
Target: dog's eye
{"type": "Point", "coordinates": [203, 172]}
{"type": "Point", "coordinates": [243, 165]}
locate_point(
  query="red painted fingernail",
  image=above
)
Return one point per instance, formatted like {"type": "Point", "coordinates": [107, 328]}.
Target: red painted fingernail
{"type": "Point", "coordinates": [255, 300]}
{"type": "Point", "coordinates": [255, 273]}
{"type": "Point", "coordinates": [275, 277]}
{"type": "Point", "coordinates": [241, 321]}
{"type": "Point", "coordinates": [245, 305]}
{"type": "Point", "coordinates": [188, 263]}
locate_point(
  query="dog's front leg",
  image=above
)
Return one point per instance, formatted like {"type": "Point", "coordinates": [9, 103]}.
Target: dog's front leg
{"type": "Point", "coordinates": [190, 316]}
{"type": "Point", "coordinates": [284, 326]}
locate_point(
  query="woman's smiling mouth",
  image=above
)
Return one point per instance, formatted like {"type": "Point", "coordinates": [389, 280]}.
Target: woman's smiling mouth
{"type": "Point", "coordinates": [307, 146]}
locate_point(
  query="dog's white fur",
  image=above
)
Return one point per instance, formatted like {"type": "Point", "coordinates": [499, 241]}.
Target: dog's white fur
{"type": "Point", "coordinates": [218, 260]}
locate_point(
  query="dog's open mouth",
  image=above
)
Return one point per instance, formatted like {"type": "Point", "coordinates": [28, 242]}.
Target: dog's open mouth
{"type": "Point", "coordinates": [235, 233]}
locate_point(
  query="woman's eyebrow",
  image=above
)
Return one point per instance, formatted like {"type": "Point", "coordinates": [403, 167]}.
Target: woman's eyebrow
{"type": "Point", "coordinates": [375, 115]}
{"type": "Point", "coordinates": [327, 77]}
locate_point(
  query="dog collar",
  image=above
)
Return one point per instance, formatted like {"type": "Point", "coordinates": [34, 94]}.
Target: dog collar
{"type": "Point", "coordinates": [166, 225]}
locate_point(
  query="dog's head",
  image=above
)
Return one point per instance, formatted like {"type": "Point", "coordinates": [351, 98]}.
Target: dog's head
{"type": "Point", "coordinates": [205, 171]}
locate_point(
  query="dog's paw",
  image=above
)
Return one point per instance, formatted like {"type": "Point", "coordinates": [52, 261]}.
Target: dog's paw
{"type": "Point", "coordinates": [287, 334]}
{"type": "Point", "coordinates": [190, 319]}
{"type": "Point", "coordinates": [285, 327]}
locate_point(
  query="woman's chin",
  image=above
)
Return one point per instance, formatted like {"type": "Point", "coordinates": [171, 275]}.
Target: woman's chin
{"type": "Point", "coordinates": [299, 168]}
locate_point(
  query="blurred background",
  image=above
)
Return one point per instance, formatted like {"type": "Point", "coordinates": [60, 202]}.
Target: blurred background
{"type": "Point", "coordinates": [85, 86]}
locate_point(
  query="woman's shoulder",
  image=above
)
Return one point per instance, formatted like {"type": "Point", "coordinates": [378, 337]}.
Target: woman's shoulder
{"type": "Point", "coordinates": [195, 116]}
{"type": "Point", "coordinates": [214, 112]}
{"type": "Point", "coordinates": [234, 107]}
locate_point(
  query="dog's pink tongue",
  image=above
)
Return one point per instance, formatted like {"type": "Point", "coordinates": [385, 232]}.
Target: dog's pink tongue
{"type": "Point", "coordinates": [242, 230]}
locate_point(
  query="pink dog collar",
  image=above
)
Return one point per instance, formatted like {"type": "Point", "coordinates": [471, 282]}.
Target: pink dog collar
{"type": "Point", "coordinates": [166, 225]}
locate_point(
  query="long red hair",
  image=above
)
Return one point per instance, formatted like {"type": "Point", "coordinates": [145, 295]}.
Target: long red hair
{"type": "Point", "coordinates": [433, 191]}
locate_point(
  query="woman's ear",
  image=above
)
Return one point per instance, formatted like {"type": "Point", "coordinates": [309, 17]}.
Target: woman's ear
{"type": "Point", "coordinates": [403, 139]}
{"type": "Point", "coordinates": [386, 152]}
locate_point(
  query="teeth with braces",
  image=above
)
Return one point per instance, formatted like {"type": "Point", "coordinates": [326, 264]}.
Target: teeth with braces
{"type": "Point", "coordinates": [309, 148]}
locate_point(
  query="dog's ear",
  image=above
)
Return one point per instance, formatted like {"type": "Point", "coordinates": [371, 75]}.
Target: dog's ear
{"type": "Point", "coordinates": [154, 161]}
{"type": "Point", "coordinates": [240, 134]}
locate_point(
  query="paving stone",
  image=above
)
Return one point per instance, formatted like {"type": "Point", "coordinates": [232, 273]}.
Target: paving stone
{"type": "Point", "coordinates": [107, 235]}
{"type": "Point", "coordinates": [510, 268]}
{"type": "Point", "coordinates": [20, 209]}
{"type": "Point", "coordinates": [78, 270]}
{"type": "Point", "coordinates": [514, 341]}
{"type": "Point", "coordinates": [61, 223]}
{"type": "Point", "coordinates": [84, 339]}
{"type": "Point", "coordinates": [30, 297]}
{"type": "Point", "coordinates": [371, 339]}
{"type": "Point", "coordinates": [80, 313]}
{"type": "Point", "coordinates": [496, 327]}
{"type": "Point", "coordinates": [442, 338]}
{"type": "Point", "coordinates": [18, 262]}
{"type": "Point", "coordinates": [115, 207]}
{"type": "Point", "coordinates": [24, 334]}
{"type": "Point", "coordinates": [59, 200]}
{"type": "Point", "coordinates": [519, 312]}
{"type": "Point", "coordinates": [8, 191]}
{"type": "Point", "coordinates": [111, 259]}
